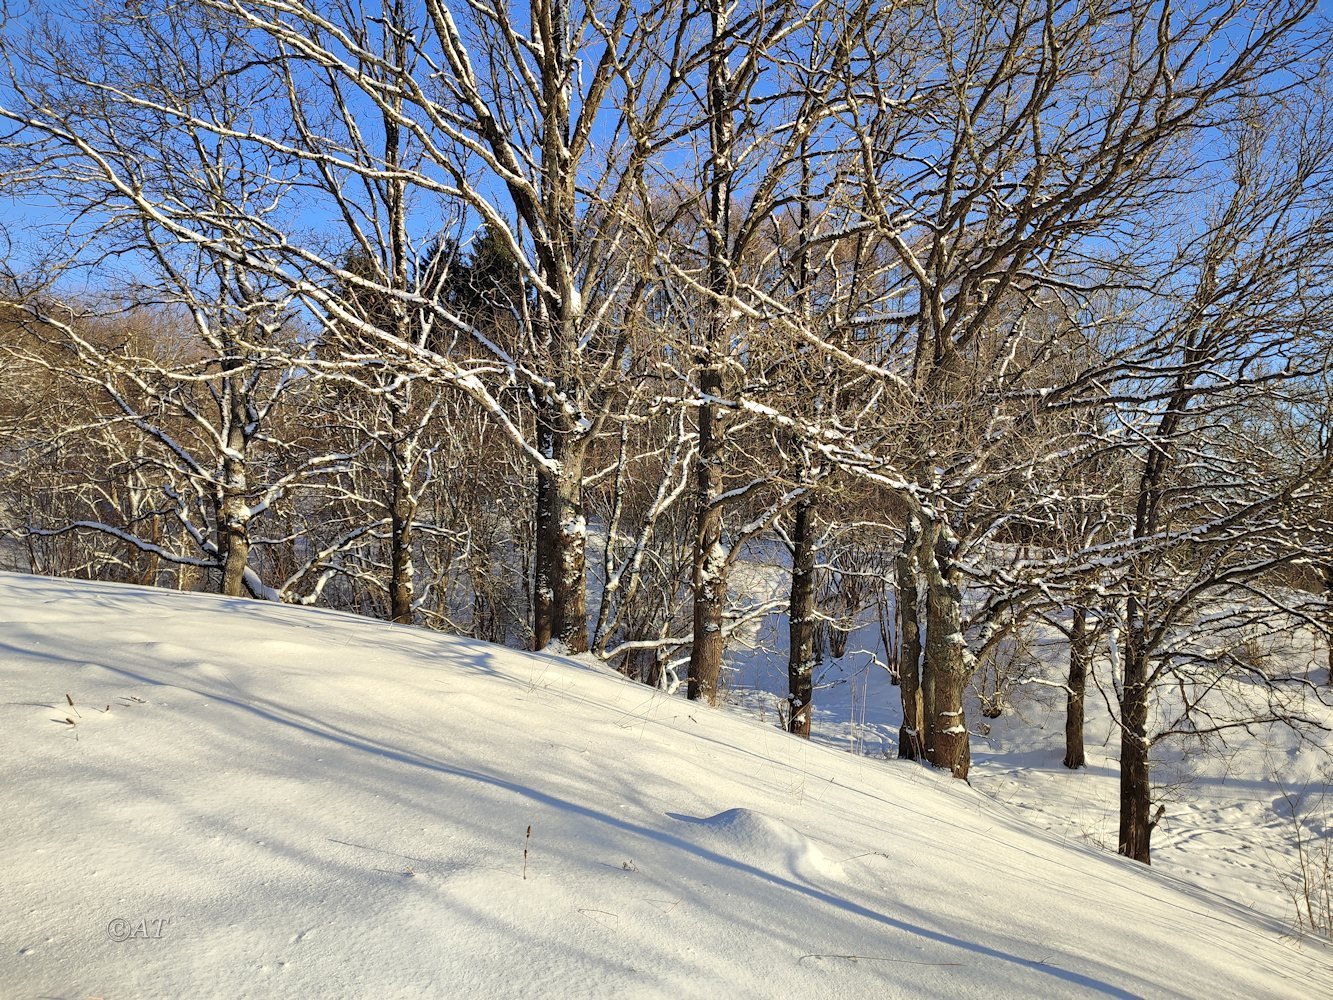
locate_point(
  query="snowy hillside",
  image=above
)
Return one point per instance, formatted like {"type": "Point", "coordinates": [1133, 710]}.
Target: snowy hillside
{"type": "Point", "coordinates": [262, 801]}
{"type": "Point", "coordinates": [1234, 806]}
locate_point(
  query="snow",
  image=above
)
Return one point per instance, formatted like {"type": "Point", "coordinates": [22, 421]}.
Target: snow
{"type": "Point", "coordinates": [265, 801]}
{"type": "Point", "coordinates": [1228, 824]}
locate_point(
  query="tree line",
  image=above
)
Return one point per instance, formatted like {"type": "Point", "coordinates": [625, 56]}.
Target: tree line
{"type": "Point", "coordinates": [534, 322]}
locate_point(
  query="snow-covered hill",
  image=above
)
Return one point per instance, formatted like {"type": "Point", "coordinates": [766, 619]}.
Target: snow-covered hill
{"type": "Point", "coordinates": [1236, 806]}
{"type": "Point", "coordinates": [260, 801]}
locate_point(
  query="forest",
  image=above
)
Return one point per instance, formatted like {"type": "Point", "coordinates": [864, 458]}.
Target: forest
{"type": "Point", "coordinates": [538, 323]}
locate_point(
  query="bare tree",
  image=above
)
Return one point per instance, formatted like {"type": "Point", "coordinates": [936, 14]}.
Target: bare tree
{"type": "Point", "coordinates": [1240, 324]}
{"type": "Point", "coordinates": [1014, 173]}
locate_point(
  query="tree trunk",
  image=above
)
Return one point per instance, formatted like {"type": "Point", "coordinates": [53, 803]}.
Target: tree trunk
{"type": "Point", "coordinates": [1080, 656]}
{"type": "Point", "coordinates": [1328, 595]}
{"type": "Point", "coordinates": [544, 542]}
{"type": "Point", "coordinates": [926, 697]}
{"type": "Point", "coordinates": [710, 558]}
{"type": "Point", "coordinates": [946, 660]}
{"type": "Point", "coordinates": [710, 568]}
{"type": "Point", "coordinates": [402, 512]}
{"type": "Point", "coordinates": [909, 645]}
{"type": "Point", "coordinates": [570, 606]}
{"type": "Point", "coordinates": [801, 622]}
{"type": "Point", "coordinates": [559, 585]}
{"type": "Point", "coordinates": [1136, 824]}
{"type": "Point", "coordinates": [402, 504]}
{"type": "Point", "coordinates": [233, 510]}
{"type": "Point", "coordinates": [1135, 791]}
{"type": "Point", "coordinates": [559, 592]}
{"type": "Point", "coordinates": [801, 612]}
{"type": "Point", "coordinates": [235, 546]}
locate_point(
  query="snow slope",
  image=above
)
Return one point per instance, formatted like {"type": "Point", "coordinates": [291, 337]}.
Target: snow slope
{"type": "Point", "coordinates": [1234, 807]}
{"type": "Point", "coordinates": [263, 801]}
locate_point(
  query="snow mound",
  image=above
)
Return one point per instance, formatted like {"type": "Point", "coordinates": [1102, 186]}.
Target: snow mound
{"type": "Point", "coordinates": [760, 841]}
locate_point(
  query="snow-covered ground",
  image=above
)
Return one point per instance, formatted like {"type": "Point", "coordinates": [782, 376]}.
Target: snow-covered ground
{"type": "Point", "coordinates": [262, 801]}
{"type": "Point", "coordinates": [1231, 807]}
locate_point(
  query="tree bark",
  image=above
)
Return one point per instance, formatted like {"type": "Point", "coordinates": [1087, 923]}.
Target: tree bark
{"type": "Point", "coordinates": [543, 569]}
{"type": "Point", "coordinates": [1136, 826]}
{"type": "Point", "coordinates": [402, 513]}
{"type": "Point", "coordinates": [1080, 656]}
{"type": "Point", "coordinates": [801, 622]}
{"type": "Point", "coordinates": [233, 510]}
{"type": "Point", "coordinates": [946, 660]}
{"type": "Point", "coordinates": [1136, 823]}
{"type": "Point", "coordinates": [570, 606]}
{"type": "Point", "coordinates": [402, 503]}
{"type": "Point", "coordinates": [1328, 595]}
{"type": "Point", "coordinates": [559, 585]}
{"type": "Point", "coordinates": [710, 569]}
{"type": "Point", "coordinates": [710, 557]}
{"type": "Point", "coordinates": [235, 547]}
{"type": "Point", "coordinates": [559, 593]}
{"type": "Point", "coordinates": [910, 744]}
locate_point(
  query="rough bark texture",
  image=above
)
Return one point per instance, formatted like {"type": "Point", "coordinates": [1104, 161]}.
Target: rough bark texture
{"type": "Point", "coordinates": [946, 661]}
{"type": "Point", "coordinates": [1136, 823]}
{"type": "Point", "coordinates": [909, 649]}
{"type": "Point", "coordinates": [236, 550]}
{"type": "Point", "coordinates": [1135, 791]}
{"type": "Point", "coordinates": [926, 697]}
{"type": "Point", "coordinates": [1328, 592]}
{"type": "Point", "coordinates": [559, 589]}
{"type": "Point", "coordinates": [570, 611]}
{"type": "Point", "coordinates": [801, 622]}
{"type": "Point", "coordinates": [559, 596]}
{"type": "Point", "coordinates": [233, 510]}
{"type": "Point", "coordinates": [543, 569]}
{"type": "Point", "coordinates": [402, 512]}
{"type": "Point", "coordinates": [709, 579]}
{"type": "Point", "coordinates": [1080, 656]}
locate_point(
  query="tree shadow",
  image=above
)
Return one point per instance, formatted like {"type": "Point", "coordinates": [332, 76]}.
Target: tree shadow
{"type": "Point", "coordinates": [311, 726]}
